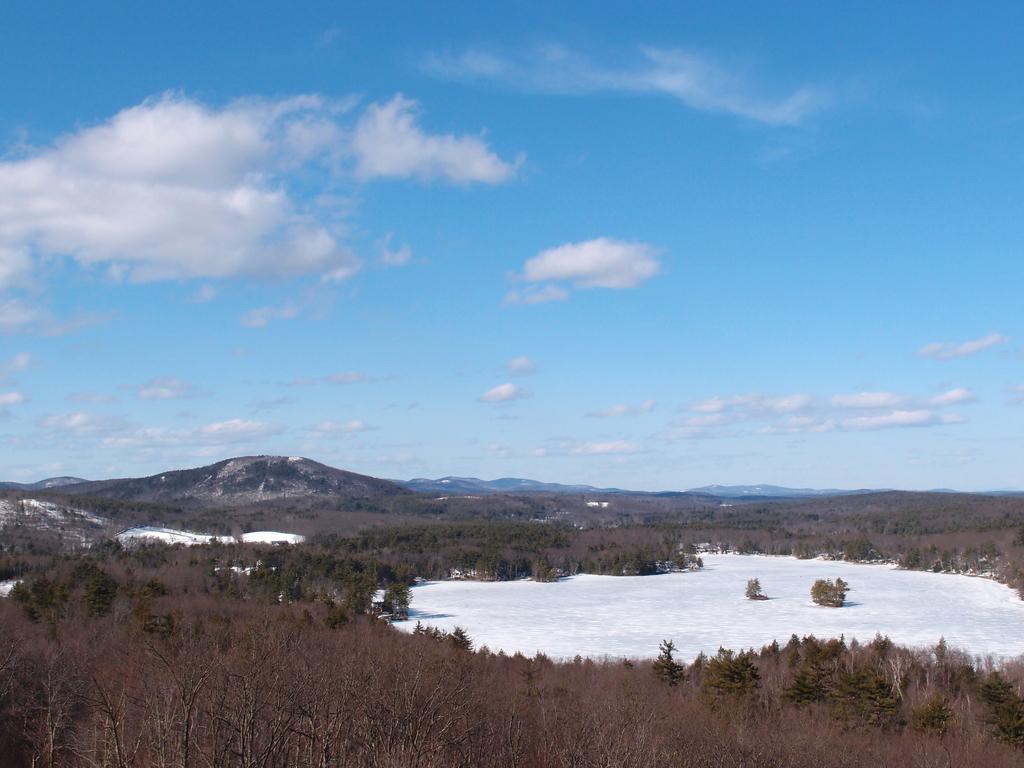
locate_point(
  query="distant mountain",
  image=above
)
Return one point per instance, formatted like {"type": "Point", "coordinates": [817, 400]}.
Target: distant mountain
{"type": "Point", "coordinates": [462, 486]}
{"type": "Point", "coordinates": [43, 485]}
{"type": "Point", "coordinates": [242, 480]}
{"type": "Point", "coordinates": [773, 492]}
{"type": "Point", "coordinates": [474, 485]}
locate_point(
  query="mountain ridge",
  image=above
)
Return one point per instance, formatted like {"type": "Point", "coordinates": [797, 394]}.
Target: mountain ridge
{"type": "Point", "coordinates": [242, 480]}
{"type": "Point", "coordinates": [42, 485]}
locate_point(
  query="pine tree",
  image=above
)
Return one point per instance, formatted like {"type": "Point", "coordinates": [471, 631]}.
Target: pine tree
{"type": "Point", "coordinates": [1005, 709]}
{"type": "Point", "coordinates": [100, 592]}
{"type": "Point", "coordinates": [862, 696]}
{"type": "Point", "coordinates": [396, 599]}
{"type": "Point", "coordinates": [754, 591]}
{"type": "Point", "coordinates": [460, 639]}
{"type": "Point", "coordinates": [730, 677]}
{"type": "Point", "coordinates": [807, 685]}
{"type": "Point", "coordinates": [829, 593]}
{"type": "Point", "coordinates": [933, 715]}
{"type": "Point", "coordinates": [666, 667]}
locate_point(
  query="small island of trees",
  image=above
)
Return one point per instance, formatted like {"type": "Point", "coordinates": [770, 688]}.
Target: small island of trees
{"type": "Point", "coordinates": [829, 593]}
{"type": "Point", "coordinates": [754, 591]}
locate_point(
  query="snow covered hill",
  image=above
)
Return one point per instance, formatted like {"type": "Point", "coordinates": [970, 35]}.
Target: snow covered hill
{"type": "Point", "coordinates": [72, 526]}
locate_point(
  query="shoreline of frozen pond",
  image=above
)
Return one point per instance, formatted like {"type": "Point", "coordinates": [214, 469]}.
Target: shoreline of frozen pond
{"type": "Point", "coordinates": [627, 616]}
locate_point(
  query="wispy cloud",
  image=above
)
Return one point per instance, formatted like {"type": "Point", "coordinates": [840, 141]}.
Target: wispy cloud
{"type": "Point", "coordinates": [955, 396]}
{"type": "Point", "coordinates": [536, 294]}
{"type": "Point", "coordinates": [521, 366]}
{"type": "Point", "coordinates": [599, 263]}
{"type": "Point", "coordinates": [393, 256]}
{"type": "Point", "coordinates": [165, 388]}
{"type": "Point", "coordinates": [347, 377]}
{"type": "Point", "coordinates": [950, 350]}
{"type": "Point", "coordinates": [388, 142]}
{"type": "Point", "coordinates": [624, 409]}
{"type": "Point", "coordinates": [329, 428]}
{"type": "Point", "coordinates": [20, 362]}
{"type": "Point", "coordinates": [735, 415]}
{"type": "Point", "coordinates": [261, 317]}
{"type": "Point", "coordinates": [504, 393]}
{"type": "Point", "coordinates": [587, 448]}
{"type": "Point", "coordinates": [12, 398]}
{"type": "Point", "coordinates": [696, 80]}
{"type": "Point", "coordinates": [869, 400]}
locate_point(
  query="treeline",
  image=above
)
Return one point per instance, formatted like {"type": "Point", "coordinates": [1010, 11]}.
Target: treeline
{"type": "Point", "coordinates": [152, 679]}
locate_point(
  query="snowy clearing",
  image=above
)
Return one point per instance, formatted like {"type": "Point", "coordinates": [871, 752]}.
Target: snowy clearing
{"type": "Point", "coordinates": [271, 537]}
{"type": "Point", "coordinates": [627, 616]}
{"type": "Point", "coordinates": [144, 533]}
{"type": "Point", "coordinates": [7, 586]}
{"type": "Point", "coordinates": [169, 536]}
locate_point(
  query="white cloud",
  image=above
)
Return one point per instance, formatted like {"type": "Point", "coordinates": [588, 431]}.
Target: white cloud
{"type": "Point", "coordinates": [79, 423]}
{"type": "Point", "coordinates": [953, 397]}
{"type": "Point", "coordinates": [164, 388]}
{"type": "Point", "coordinates": [536, 294]}
{"type": "Point", "coordinates": [16, 364]}
{"type": "Point", "coordinates": [695, 80]}
{"type": "Point", "coordinates": [1017, 395]}
{"type": "Point", "coordinates": [172, 188]}
{"type": "Point", "coordinates": [599, 263]}
{"type": "Point", "coordinates": [204, 294]}
{"type": "Point", "coordinates": [521, 366]}
{"type": "Point", "coordinates": [91, 397]}
{"type": "Point", "coordinates": [388, 143]}
{"type": "Point", "coordinates": [586, 448]}
{"type": "Point", "coordinates": [746, 406]}
{"type": "Point", "coordinates": [503, 393]}
{"type": "Point", "coordinates": [624, 409]}
{"type": "Point", "coordinates": [347, 377]}
{"type": "Point", "coordinates": [330, 428]}
{"type": "Point", "coordinates": [261, 317]}
{"type": "Point", "coordinates": [235, 430]}
{"type": "Point", "coordinates": [15, 266]}
{"type": "Point", "coordinates": [869, 400]}
{"type": "Point", "coordinates": [176, 189]}
{"type": "Point", "coordinates": [897, 418]}
{"type": "Point", "coordinates": [723, 415]}
{"type": "Point", "coordinates": [17, 315]}
{"type": "Point", "coordinates": [603, 448]}
{"type": "Point", "coordinates": [12, 398]}
{"type": "Point", "coordinates": [393, 257]}
{"type": "Point", "coordinates": [949, 350]}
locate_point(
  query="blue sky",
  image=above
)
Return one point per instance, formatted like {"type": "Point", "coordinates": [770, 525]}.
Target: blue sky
{"type": "Point", "coordinates": [655, 247]}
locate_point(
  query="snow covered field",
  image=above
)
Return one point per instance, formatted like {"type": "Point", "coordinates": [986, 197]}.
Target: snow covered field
{"type": "Point", "coordinates": [629, 615]}
{"type": "Point", "coordinates": [189, 538]}
{"type": "Point", "coordinates": [271, 537]}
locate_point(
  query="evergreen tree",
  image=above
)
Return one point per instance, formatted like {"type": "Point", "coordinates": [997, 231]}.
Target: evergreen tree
{"type": "Point", "coordinates": [933, 715]}
{"type": "Point", "coordinates": [730, 677]}
{"type": "Point", "coordinates": [862, 696]}
{"type": "Point", "coordinates": [807, 685]}
{"type": "Point", "coordinates": [1005, 709]}
{"type": "Point", "coordinates": [100, 592]}
{"type": "Point", "coordinates": [460, 639]}
{"type": "Point", "coordinates": [754, 591]}
{"type": "Point", "coordinates": [396, 599]}
{"type": "Point", "coordinates": [829, 593]}
{"type": "Point", "coordinates": [666, 667]}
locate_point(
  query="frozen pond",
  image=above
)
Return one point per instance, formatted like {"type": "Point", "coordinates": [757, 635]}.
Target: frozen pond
{"type": "Point", "coordinates": [703, 610]}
